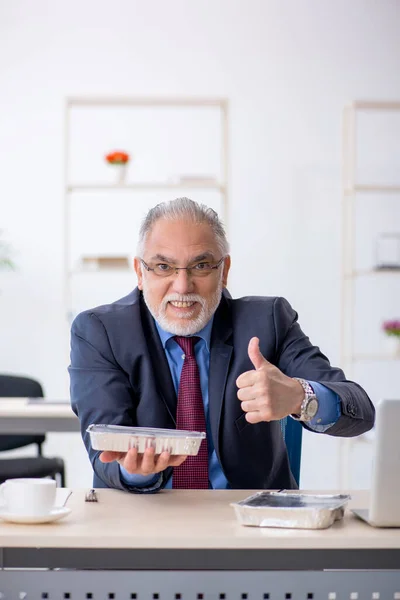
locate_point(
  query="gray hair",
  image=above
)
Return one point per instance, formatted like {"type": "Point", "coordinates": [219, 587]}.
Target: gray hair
{"type": "Point", "coordinates": [183, 208]}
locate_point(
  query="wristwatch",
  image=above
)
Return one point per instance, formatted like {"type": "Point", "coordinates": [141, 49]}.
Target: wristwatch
{"type": "Point", "coordinates": [309, 406]}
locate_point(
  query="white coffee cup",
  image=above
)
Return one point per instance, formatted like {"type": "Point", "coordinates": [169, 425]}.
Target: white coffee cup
{"type": "Point", "coordinates": [28, 497]}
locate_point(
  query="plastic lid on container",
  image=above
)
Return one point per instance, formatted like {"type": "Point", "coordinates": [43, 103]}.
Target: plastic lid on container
{"type": "Point", "coordinates": [144, 431]}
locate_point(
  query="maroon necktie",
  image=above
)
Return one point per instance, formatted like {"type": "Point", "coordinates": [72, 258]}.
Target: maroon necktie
{"type": "Point", "coordinates": [193, 473]}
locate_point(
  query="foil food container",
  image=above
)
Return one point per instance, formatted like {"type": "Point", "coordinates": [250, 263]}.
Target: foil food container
{"type": "Point", "coordinates": [119, 438]}
{"type": "Point", "coordinates": [290, 509]}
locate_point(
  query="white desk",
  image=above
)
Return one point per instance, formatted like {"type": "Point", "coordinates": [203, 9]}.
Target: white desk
{"type": "Point", "coordinates": [18, 415]}
{"type": "Point", "coordinates": [176, 544]}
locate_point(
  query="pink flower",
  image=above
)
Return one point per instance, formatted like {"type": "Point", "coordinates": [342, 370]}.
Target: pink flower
{"type": "Point", "coordinates": [392, 327]}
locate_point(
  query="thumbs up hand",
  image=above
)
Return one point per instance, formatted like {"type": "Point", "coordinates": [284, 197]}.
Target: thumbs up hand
{"type": "Point", "coordinates": [266, 393]}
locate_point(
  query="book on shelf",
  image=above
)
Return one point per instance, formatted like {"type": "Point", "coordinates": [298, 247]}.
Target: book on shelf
{"type": "Point", "coordinates": [97, 263]}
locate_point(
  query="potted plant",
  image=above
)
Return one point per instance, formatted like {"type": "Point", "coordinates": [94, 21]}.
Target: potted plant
{"type": "Point", "coordinates": [119, 159]}
{"type": "Point", "coordinates": [392, 331]}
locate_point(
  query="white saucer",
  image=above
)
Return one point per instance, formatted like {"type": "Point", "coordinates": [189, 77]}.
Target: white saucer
{"type": "Point", "coordinates": [56, 513]}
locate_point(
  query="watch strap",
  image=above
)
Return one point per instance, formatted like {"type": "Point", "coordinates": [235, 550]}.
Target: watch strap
{"type": "Point", "coordinates": [308, 392]}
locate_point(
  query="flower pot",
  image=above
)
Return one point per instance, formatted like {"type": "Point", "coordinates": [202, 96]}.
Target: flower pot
{"type": "Point", "coordinates": [392, 345]}
{"type": "Point", "coordinates": [121, 173]}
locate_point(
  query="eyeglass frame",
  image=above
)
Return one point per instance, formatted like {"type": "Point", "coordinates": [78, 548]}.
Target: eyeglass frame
{"type": "Point", "coordinates": [187, 269]}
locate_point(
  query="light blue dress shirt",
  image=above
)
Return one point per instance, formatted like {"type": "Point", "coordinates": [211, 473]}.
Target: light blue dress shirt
{"type": "Point", "coordinates": [328, 410]}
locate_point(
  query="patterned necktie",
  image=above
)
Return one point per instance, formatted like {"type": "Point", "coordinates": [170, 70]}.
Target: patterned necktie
{"type": "Point", "coordinates": [193, 473]}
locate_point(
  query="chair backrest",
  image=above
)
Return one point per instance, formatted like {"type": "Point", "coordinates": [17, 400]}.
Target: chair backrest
{"type": "Point", "coordinates": [292, 434]}
{"type": "Point", "coordinates": [14, 386]}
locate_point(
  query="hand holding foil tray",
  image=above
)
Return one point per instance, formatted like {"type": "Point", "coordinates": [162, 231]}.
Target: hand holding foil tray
{"type": "Point", "coordinates": [290, 509]}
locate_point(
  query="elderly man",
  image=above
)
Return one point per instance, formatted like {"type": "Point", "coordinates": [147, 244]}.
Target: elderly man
{"type": "Point", "coordinates": [179, 352]}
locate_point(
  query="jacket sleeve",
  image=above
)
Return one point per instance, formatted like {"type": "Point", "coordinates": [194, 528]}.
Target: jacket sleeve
{"type": "Point", "coordinates": [297, 357]}
{"type": "Point", "coordinates": [100, 393]}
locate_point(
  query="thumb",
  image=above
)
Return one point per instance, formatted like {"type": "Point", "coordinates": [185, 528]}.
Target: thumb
{"type": "Point", "coordinates": [254, 353]}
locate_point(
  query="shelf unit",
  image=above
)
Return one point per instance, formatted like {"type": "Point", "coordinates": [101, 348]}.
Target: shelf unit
{"type": "Point", "coordinates": [350, 273]}
{"type": "Point", "coordinates": [351, 188]}
{"type": "Point", "coordinates": [182, 184]}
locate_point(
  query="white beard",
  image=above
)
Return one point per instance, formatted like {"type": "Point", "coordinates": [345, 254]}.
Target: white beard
{"type": "Point", "coordinates": [192, 326]}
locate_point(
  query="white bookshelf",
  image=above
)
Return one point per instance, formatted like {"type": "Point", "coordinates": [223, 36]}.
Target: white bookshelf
{"type": "Point", "coordinates": [351, 193]}
{"type": "Point", "coordinates": [197, 167]}
{"type": "Point", "coordinates": [354, 195]}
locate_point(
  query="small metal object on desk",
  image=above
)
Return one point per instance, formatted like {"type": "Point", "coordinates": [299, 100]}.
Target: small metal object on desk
{"type": "Point", "coordinates": [91, 496]}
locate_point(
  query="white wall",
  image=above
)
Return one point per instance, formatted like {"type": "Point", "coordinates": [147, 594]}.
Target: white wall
{"type": "Point", "coordinates": [287, 67]}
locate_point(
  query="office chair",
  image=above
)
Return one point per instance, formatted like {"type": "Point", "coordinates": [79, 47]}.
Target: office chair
{"type": "Point", "coordinates": [12, 386]}
{"type": "Point", "coordinates": [292, 432]}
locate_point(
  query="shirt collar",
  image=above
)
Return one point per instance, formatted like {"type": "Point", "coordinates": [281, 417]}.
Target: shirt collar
{"type": "Point", "coordinates": [204, 334]}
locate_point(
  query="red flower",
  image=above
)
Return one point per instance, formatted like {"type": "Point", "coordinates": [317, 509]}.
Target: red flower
{"type": "Point", "coordinates": [118, 157]}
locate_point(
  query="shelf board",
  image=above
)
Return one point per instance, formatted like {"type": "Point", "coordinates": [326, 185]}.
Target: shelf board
{"type": "Point", "coordinates": [378, 357]}
{"type": "Point", "coordinates": [87, 187]}
{"type": "Point", "coordinates": [374, 105]}
{"type": "Point", "coordinates": [144, 101]}
{"type": "Point", "coordinates": [369, 272]}
{"type": "Point", "coordinates": [386, 189]}
{"type": "Point", "coordinates": [119, 270]}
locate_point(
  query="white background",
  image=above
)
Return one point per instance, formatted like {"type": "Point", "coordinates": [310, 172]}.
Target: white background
{"type": "Point", "coordinates": [287, 68]}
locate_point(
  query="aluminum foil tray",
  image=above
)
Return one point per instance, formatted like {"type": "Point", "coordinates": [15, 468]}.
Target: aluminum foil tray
{"type": "Point", "coordinates": [120, 439]}
{"type": "Point", "coordinates": [291, 509]}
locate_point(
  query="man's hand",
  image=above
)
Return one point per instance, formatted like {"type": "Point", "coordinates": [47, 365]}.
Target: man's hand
{"type": "Point", "coordinates": [143, 464]}
{"type": "Point", "coordinates": [266, 393]}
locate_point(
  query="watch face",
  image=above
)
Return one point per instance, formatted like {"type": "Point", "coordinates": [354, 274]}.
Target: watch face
{"type": "Point", "coordinates": [312, 408]}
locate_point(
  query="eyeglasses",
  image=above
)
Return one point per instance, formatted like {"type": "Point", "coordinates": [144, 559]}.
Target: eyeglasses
{"type": "Point", "coordinates": [201, 269]}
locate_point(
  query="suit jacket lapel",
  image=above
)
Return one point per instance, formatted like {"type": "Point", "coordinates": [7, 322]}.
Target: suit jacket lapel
{"type": "Point", "coordinates": [161, 370]}
{"type": "Point", "coordinates": [220, 356]}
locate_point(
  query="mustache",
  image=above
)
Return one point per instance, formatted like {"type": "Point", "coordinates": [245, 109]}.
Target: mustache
{"type": "Point", "coordinates": [183, 298]}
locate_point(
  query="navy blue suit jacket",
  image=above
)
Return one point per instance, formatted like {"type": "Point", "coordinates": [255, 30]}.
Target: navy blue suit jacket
{"type": "Point", "coordinates": [120, 375]}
